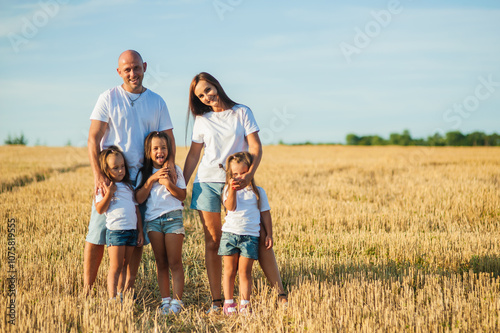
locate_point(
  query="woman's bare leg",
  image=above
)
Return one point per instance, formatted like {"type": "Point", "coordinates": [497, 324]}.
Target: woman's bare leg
{"type": "Point", "coordinates": [267, 261]}
{"type": "Point", "coordinates": [213, 231]}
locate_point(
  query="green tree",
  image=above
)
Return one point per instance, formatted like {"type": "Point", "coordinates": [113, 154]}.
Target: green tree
{"type": "Point", "coordinates": [455, 138]}
{"type": "Point", "coordinates": [377, 141]}
{"type": "Point", "coordinates": [475, 139]}
{"type": "Point", "coordinates": [405, 138]}
{"type": "Point", "coordinates": [365, 140]}
{"type": "Point", "coordinates": [436, 140]}
{"type": "Point", "coordinates": [492, 140]}
{"type": "Point", "coordinates": [352, 139]}
{"type": "Point", "coordinates": [394, 139]}
{"type": "Point", "coordinates": [20, 140]}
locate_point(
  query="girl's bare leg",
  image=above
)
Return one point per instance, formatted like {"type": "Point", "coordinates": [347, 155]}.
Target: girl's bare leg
{"type": "Point", "coordinates": [245, 274]}
{"type": "Point", "coordinates": [230, 270]}
{"type": "Point", "coordinates": [116, 255]}
{"type": "Point", "coordinates": [126, 262]}
{"type": "Point", "coordinates": [173, 245]}
{"type": "Point", "coordinates": [157, 240]}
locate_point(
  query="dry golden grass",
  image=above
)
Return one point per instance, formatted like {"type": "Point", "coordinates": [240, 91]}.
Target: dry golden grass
{"type": "Point", "coordinates": [367, 239]}
{"type": "Point", "coordinates": [22, 165]}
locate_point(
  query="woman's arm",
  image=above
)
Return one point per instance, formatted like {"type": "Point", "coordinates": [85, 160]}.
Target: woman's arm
{"type": "Point", "coordinates": [255, 149]}
{"type": "Point", "coordinates": [192, 159]}
{"type": "Point", "coordinates": [267, 222]}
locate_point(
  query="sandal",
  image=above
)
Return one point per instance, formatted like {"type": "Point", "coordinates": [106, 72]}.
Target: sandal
{"type": "Point", "coordinates": [214, 309]}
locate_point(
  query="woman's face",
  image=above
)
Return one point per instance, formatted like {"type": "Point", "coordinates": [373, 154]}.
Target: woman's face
{"type": "Point", "coordinates": [207, 93]}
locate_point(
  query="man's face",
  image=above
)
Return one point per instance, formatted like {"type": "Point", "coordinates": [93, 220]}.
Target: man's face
{"type": "Point", "coordinates": [131, 69]}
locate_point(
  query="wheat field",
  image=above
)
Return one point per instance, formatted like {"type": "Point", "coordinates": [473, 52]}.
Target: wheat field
{"type": "Point", "coordinates": [368, 239]}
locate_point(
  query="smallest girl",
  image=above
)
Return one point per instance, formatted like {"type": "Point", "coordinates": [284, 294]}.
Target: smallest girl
{"type": "Point", "coordinates": [163, 217]}
{"type": "Point", "coordinates": [239, 244]}
{"type": "Point", "coordinates": [123, 219]}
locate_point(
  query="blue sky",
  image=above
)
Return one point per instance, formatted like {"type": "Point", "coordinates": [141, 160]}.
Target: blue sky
{"type": "Point", "coordinates": [310, 70]}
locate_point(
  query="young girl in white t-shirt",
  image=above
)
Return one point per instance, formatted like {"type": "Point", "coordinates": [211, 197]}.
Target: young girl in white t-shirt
{"type": "Point", "coordinates": [239, 243]}
{"type": "Point", "coordinates": [123, 219]}
{"type": "Point", "coordinates": [163, 217]}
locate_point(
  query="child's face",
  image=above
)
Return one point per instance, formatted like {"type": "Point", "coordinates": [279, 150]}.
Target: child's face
{"type": "Point", "coordinates": [159, 152]}
{"type": "Point", "coordinates": [116, 167]}
{"type": "Point", "coordinates": [238, 169]}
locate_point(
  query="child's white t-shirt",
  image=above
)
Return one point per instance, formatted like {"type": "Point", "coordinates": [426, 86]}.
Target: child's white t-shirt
{"type": "Point", "coordinates": [160, 200]}
{"type": "Point", "coordinates": [223, 134]}
{"type": "Point", "coordinates": [245, 220]}
{"type": "Point", "coordinates": [121, 213]}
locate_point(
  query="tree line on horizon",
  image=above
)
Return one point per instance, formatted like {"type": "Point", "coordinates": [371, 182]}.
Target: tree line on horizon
{"type": "Point", "coordinates": [453, 138]}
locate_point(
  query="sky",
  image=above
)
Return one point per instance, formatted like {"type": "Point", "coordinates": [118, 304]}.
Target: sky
{"type": "Point", "coordinates": [309, 70]}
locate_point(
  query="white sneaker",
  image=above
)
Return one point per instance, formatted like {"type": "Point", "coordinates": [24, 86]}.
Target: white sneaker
{"type": "Point", "coordinates": [164, 308]}
{"type": "Point", "coordinates": [176, 306]}
{"type": "Point", "coordinates": [214, 310]}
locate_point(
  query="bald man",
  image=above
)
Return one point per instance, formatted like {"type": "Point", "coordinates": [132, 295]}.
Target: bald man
{"type": "Point", "coordinates": [123, 116]}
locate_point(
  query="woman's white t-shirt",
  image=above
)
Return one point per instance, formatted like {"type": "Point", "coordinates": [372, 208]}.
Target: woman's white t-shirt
{"type": "Point", "coordinates": [121, 213]}
{"type": "Point", "coordinates": [245, 219]}
{"type": "Point", "coordinates": [160, 200]}
{"type": "Point", "coordinates": [223, 134]}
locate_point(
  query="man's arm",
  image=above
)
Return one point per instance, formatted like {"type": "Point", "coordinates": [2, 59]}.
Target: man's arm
{"type": "Point", "coordinates": [96, 133]}
{"type": "Point", "coordinates": [171, 159]}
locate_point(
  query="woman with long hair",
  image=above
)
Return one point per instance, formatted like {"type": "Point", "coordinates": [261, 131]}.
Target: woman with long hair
{"type": "Point", "coordinates": [222, 127]}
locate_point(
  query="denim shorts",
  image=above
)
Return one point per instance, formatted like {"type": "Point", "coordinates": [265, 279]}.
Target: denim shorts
{"type": "Point", "coordinates": [121, 237]}
{"type": "Point", "coordinates": [246, 246]}
{"type": "Point", "coordinates": [97, 227]}
{"type": "Point", "coordinates": [207, 197]}
{"type": "Point", "coordinates": [169, 223]}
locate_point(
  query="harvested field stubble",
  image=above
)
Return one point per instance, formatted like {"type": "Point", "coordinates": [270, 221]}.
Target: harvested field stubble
{"type": "Point", "coordinates": [366, 238]}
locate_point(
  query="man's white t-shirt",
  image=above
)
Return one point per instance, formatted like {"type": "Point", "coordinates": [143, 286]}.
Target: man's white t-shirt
{"type": "Point", "coordinates": [121, 213]}
{"type": "Point", "coordinates": [245, 220]}
{"type": "Point", "coordinates": [129, 125]}
{"type": "Point", "coordinates": [160, 200]}
{"type": "Point", "coordinates": [223, 134]}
